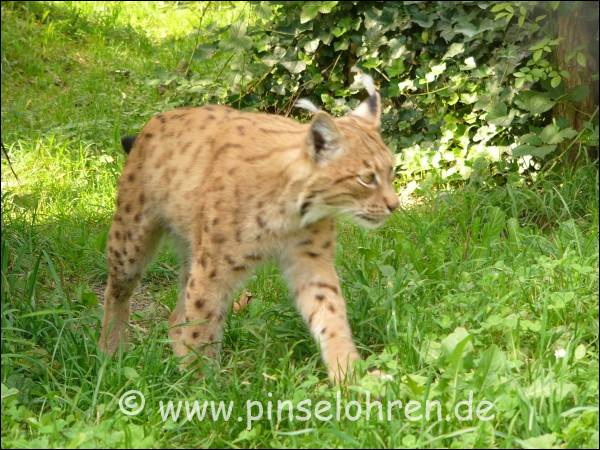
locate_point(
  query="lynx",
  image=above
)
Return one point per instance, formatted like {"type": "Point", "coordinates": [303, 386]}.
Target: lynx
{"type": "Point", "coordinates": [237, 188]}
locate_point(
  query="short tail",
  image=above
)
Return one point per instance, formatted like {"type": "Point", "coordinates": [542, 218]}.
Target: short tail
{"type": "Point", "coordinates": [127, 143]}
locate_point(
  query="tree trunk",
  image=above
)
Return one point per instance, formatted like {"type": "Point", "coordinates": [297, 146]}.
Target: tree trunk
{"type": "Point", "coordinates": [577, 28]}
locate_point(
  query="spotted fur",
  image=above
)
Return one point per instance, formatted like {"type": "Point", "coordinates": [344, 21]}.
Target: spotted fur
{"type": "Point", "coordinates": [238, 188]}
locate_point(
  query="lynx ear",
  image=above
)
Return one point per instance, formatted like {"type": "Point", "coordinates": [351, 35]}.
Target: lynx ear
{"type": "Point", "coordinates": [370, 109]}
{"type": "Point", "coordinates": [324, 138]}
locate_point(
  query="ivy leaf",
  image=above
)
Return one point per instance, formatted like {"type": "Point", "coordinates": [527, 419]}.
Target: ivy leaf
{"type": "Point", "coordinates": [311, 46]}
{"type": "Point", "coordinates": [526, 149]}
{"type": "Point", "coordinates": [467, 28]}
{"type": "Point", "coordinates": [310, 10]}
{"type": "Point", "coordinates": [396, 68]}
{"type": "Point", "coordinates": [498, 115]}
{"type": "Point", "coordinates": [531, 138]}
{"type": "Point", "coordinates": [397, 48]}
{"type": "Point", "coordinates": [469, 64]}
{"type": "Point", "coordinates": [294, 66]}
{"type": "Point", "coordinates": [581, 59]}
{"type": "Point", "coordinates": [578, 93]}
{"type": "Point", "coordinates": [453, 50]}
{"type": "Point", "coordinates": [551, 134]}
{"type": "Point", "coordinates": [534, 102]}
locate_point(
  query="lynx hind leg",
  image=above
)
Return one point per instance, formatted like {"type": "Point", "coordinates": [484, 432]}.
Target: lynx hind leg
{"type": "Point", "coordinates": [177, 317]}
{"type": "Point", "coordinates": [132, 240]}
{"type": "Point", "coordinates": [203, 308]}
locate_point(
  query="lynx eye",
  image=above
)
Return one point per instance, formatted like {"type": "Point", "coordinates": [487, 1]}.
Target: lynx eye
{"type": "Point", "coordinates": [367, 180]}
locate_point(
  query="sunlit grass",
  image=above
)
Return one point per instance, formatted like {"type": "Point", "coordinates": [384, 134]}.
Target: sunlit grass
{"type": "Point", "coordinates": [515, 268]}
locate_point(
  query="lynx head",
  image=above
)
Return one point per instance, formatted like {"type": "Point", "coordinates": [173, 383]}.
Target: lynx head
{"type": "Point", "coordinates": [353, 169]}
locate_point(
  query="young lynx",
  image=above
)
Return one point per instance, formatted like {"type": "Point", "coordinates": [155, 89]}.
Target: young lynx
{"type": "Point", "coordinates": [237, 188]}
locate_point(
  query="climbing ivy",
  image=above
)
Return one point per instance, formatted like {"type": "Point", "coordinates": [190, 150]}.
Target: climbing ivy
{"type": "Point", "coordinates": [468, 87]}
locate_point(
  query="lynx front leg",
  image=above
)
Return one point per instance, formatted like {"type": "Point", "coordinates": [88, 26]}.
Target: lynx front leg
{"type": "Point", "coordinates": [309, 267]}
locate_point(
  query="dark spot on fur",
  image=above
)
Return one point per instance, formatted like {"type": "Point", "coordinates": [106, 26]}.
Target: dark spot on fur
{"type": "Point", "coordinates": [326, 286]}
{"type": "Point", "coordinates": [127, 208]}
{"type": "Point", "coordinates": [331, 308]}
{"type": "Point", "coordinates": [215, 221]}
{"type": "Point", "coordinates": [320, 297]}
{"type": "Point", "coordinates": [209, 315]}
{"type": "Point", "coordinates": [304, 207]}
{"type": "Point", "coordinates": [232, 171]}
{"type": "Point", "coordinates": [131, 177]}
{"type": "Point", "coordinates": [331, 335]}
{"type": "Point", "coordinates": [213, 273]}
{"type": "Point", "coordinates": [195, 335]}
{"type": "Point", "coordinates": [306, 242]}
{"type": "Point", "coordinates": [327, 244]}
{"type": "Point", "coordinates": [131, 260]}
{"type": "Point", "coordinates": [218, 238]}
{"type": "Point", "coordinates": [117, 235]}
{"type": "Point", "coordinates": [199, 303]}
{"type": "Point", "coordinates": [323, 330]}
{"type": "Point", "coordinates": [260, 221]}
{"type": "Point", "coordinates": [313, 254]}
{"type": "Point", "coordinates": [137, 218]}
{"type": "Point", "coordinates": [253, 257]}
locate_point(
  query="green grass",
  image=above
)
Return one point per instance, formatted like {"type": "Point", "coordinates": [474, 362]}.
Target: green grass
{"type": "Point", "coordinates": [471, 291]}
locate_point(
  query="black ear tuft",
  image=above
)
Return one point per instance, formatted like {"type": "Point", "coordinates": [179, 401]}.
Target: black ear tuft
{"type": "Point", "coordinates": [127, 143]}
{"type": "Point", "coordinates": [324, 139]}
{"type": "Point", "coordinates": [373, 104]}
{"type": "Point", "coordinates": [318, 141]}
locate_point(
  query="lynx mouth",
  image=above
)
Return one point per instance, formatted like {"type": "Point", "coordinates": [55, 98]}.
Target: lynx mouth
{"type": "Point", "coordinates": [369, 221]}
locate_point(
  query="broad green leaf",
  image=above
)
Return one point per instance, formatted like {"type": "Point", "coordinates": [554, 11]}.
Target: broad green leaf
{"type": "Point", "coordinates": [311, 46]}
{"type": "Point", "coordinates": [539, 151]}
{"type": "Point", "coordinates": [551, 134]}
{"type": "Point", "coordinates": [534, 102]}
{"type": "Point", "coordinates": [543, 441]}
{"type": "Point", "coordinates": [579, 353]}
{"type": "Point", "coordinates": [294, 66]}
{"type": "Point", "coordinates": [130, 373]}
{"type": "Point", "coordinates": [450, 342]}
{"type": "Point", "coordinates": [396, 68]}
{"type": "Point", "coordinates": [454, 50]}
{"type": "Point", "coordinates": [578, 93]}
{"type": "Point", "coordinates": [311, 9]}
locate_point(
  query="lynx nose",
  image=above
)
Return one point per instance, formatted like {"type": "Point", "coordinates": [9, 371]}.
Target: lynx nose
{"type": "Point", "coordinates": [392, 202]}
